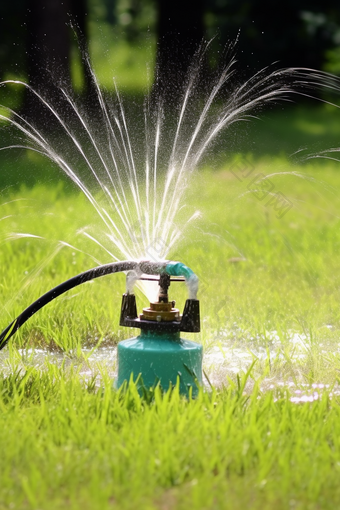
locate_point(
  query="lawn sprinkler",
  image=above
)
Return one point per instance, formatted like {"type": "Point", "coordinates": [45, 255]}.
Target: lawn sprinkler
{"type": "Point", "coordinates": [157, 355]}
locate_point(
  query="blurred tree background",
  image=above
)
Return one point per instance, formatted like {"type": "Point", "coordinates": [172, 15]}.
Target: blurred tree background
{"type": "Point", "coordinates": [127, 38]}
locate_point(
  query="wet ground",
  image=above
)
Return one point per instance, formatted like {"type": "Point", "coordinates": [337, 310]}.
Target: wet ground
{"type": "Point", "coordinates": [224, 360]}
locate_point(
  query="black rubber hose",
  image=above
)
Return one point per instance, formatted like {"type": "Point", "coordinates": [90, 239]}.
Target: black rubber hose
{"type": "Point", "coordinates": [91, 274]}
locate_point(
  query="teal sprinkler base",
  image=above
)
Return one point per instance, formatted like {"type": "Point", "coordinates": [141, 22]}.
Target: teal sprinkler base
{"type": "Point", "coordinates": [161, 358]}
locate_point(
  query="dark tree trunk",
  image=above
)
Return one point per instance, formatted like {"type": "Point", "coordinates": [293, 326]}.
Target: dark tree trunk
{"type": "Point", "coordinates": [180, 32]}
{"type": "Point", "coordinates": [49, 48]}
{"type": "Point", "coordinates": [48, 44]}
{"type": "Point", "coordinates": [79, 18]}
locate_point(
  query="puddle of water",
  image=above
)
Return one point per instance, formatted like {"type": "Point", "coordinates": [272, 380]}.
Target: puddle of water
{"type": "Point", "coordinates": [87, 363]}
{"type": "Point", "coordinates": [223, 359]}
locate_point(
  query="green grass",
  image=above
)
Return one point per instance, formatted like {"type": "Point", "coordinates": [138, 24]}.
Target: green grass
{"type": "Point", "coordinates": [284, 130]}
{"type": "Point", "coordinates": [69, 440]}
{"type": "Point", "coordinates": [72, 444]}
{"type": "Point", "coordinates": [66, 443]}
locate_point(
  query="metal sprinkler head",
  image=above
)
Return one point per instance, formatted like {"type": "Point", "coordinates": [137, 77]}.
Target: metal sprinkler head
{"type": "Point", "coordinates": [161, 315]}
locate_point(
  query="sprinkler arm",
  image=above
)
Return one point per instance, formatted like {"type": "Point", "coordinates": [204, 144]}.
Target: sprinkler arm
{"type": "Point", "coordinates": [171, 268]}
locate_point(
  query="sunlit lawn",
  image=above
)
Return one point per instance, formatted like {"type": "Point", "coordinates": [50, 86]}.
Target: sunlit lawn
{"type": "Point", "coordinates": [266, 270]}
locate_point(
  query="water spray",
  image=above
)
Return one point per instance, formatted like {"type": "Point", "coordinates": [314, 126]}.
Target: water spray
{"type": "Point", "coordinates": [157, 355]}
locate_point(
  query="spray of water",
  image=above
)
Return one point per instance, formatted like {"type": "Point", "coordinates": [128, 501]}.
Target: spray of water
{"type": "Point", "coordinates": [137, 184]}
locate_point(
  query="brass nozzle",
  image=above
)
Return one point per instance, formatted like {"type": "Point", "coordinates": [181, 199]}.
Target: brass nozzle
{"type": "Point", "coordinates": [161, 312]}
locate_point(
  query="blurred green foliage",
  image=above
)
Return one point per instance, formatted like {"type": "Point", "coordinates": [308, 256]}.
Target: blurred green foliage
{"type": "Point", "coordinates": [125, 33]}
{"type": "Point", "coordinates": [132, 18]}
{"type": "Point", "coordinates": [294, 33]}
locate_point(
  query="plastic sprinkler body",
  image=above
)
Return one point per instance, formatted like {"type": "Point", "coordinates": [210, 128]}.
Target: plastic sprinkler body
{"type": "Point", "coordinates": [158, 355]}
